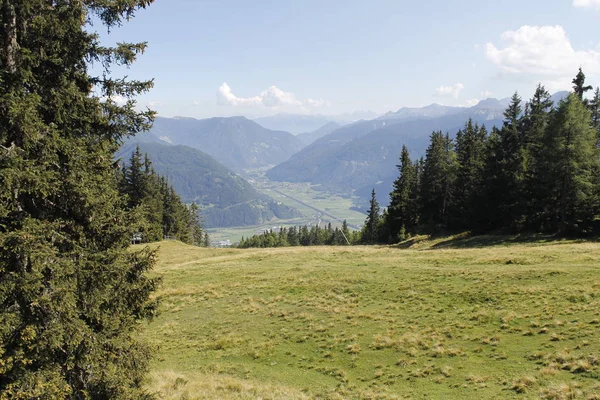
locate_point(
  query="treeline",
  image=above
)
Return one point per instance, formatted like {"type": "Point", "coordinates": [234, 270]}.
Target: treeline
{"type": "Point", "coordinates": [303, 236]}
{"type": "Point", "coordinates": [540, 172]}
{"type": "Point", "coordinates": [156, 209]}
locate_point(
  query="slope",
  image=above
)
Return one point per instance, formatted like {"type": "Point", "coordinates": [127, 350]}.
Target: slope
{"type": "Point", "coordinates": [236, 142]}
{"type": "Point", "coordinates": [310, 137]}
{"type": "Point", "coordinates": [226, 198]}
{"type": "Point", "coordinates": [489, 322]}
{"type": "Point", "coordinates": [365, 154]}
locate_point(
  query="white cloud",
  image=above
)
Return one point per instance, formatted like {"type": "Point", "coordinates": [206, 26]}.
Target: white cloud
{"type": "Point", "coordinates": [454, 90]}
{"type": "Point", "coordinates": [587, 4]}
{"type": "Point", "coordinates": [542, 53]}
{"type": "Point", "coordinates": [486, 94]}
{"type": "Point", "coordinates": [225, 96]}
{"type": "Point", "coordinates": [272, 97]}
{"type": "Point", "coordinates": [318, 103]}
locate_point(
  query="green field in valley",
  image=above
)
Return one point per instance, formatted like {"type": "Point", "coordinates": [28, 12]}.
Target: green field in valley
{"type": "Point", "coordinates": [316, 206]}
{"type": "Point", "coordinates": [479, 319]}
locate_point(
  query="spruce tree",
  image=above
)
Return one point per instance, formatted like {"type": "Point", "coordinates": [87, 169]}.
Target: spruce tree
{"type": "Point", "coordinates": [401, 216]}
{"type": "Point", "coordinates": [71, 295]}
{"type": "Point", "coordinates": [572, 164]}
{"type": "Point", "coordinates": [595, 110]}
{"type": "Point", "coordinates": [345, 233]}
{"type": "Point", "coordinates": [506, 173]}
{"type": "Point", "coordinates": [370, 231]}
{"type": "Point", "coordinates": [195, 225]}
{"type": "Point", "coordinates": [535, 123]}
{"type": "Point", "coordinates": [579, 87]}
{"type": "Point", "coordinates": [437, 182]}
{"type": "Point", "coordinates": [471, 154]}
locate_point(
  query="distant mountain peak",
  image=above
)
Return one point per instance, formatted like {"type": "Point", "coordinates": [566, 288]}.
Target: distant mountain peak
{"type": "Point", "coordinates": [489, 102]}
{"type": "Point", "coordinates": [433, 110]}
{"type": "Point", "coordinates": [237, 142]}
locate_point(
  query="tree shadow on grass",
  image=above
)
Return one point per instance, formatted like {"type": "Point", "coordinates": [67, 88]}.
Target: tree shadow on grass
{"type": "Point", "coordinates": [466, 241]}
{"type": "Point", "coordinates": [469, 241]}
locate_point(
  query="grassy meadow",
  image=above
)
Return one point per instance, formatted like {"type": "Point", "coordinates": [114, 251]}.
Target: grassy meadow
{"type": "Point", "coordinates": [426, 320]}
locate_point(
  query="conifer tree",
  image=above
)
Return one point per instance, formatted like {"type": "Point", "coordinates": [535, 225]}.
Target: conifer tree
{"type": "Point", "coordinates": [195, 225]}
{"type": "Point", "coordinates": [345, 233]}
{"type": "Point", "coordinates": [305, 236]}
{"type": "Point", "coordinates": [470, 155]}
{"type": "Point", "coordinates": [505, 185]}
{"type": "Point", "coordinates": [370, 231]}
{"type": "Point", "coordinates": [572, 162]}
{"type": "Point", "coordinates": [401, 216]}
{"type": "Point", "coordinates": [579, 87]}
{"type": "Point", "coordinates": [71, 295]}
{"type": "Point", "coordinates": [535, 124]}
{"type": "Point", "coordinates": [437, 182]}
{"type": "Point", "coordinates": [595, 110]}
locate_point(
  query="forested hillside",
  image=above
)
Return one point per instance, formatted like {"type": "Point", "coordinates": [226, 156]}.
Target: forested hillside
{"type": "Point", "coordinates": [236, 142]}
{"type": "Point", "coordinates": [158, 209]}
{"type": "Point", "coordinates": [225, 198]}
{"type": "Point", "coordinates": [359, 155]}
{"type": "Point", "coordinates": [538, 172]}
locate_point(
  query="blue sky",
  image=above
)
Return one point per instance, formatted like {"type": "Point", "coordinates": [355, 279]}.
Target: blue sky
{"type": "Point", "coordinates": [255, 58]}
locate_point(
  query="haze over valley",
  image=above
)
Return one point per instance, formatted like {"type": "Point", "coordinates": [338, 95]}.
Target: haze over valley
{"type": "Point", "coordinates": [248, 176]}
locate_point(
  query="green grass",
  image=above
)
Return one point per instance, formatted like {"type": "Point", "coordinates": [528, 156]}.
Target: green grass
{"type": "Point", "coordinates": [490, 320]}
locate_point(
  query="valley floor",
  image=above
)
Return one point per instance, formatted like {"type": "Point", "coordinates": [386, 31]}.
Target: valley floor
{"type": "Point", "coordinates": [488, 321]}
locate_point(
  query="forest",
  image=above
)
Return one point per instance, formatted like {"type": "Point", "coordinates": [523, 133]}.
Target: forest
{"type": "Point", "coordinates": [537, 173]}
{"type": "Point", "coordinates": [157, 209]}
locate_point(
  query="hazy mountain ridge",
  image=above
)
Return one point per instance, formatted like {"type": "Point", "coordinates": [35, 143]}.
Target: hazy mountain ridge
{"type": "Point", "coordinates": [365, 153]}
{"type": "Point", "coordinates": [430, 111]}
{"type": "Point", "coordinates": [306, 165]}
{"type": "Point", "coordinates": [236, 142]}
{"type": "Point", "coordinates": [298, 124]}
{"type": "Point", "coordinates": [310, 137]}
{"type": "Point", "coordinates": [226, 198]}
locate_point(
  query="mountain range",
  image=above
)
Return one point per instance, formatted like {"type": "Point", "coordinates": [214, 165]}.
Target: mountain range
{"type": "Point", "coordinates": [363, 155]}
{"type": "Point", "coordinates": [297, 124]}
{"type": "Point", "coordinates": [236, 142]}
{"type": "Point", "coordinates": [203, 158]}
{"type": "Point", "coordinates": [309, 137]}
{"type": "Point", "coordinates": [225, 198]}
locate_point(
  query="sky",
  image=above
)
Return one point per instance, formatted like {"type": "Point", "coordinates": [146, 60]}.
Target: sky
{"type": "Point", "coordinates": [256, 58]}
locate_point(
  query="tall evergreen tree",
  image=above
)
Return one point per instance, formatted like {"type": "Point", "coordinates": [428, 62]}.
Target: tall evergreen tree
{"type": "Point", "coordinates": [579, 87]}
{"type": "Point", "coordinates": [135, 179]}
{"type": "Point", "coordinates": [402, 215]}
{"type": "Point", "coordinates": [506, 171]}
{"type": "Point", "coordinates": [195, 225]}
{"type": "Point", "coordinates": [535, 124]}
{"type": "Point", "coordinates": [71, 295]}
{"type": "Point", "coordinates": [471, 154]}
{"type": "Point", "coordinates": [370, 231]}
{"type": "Point", "coordinates": [437, 182]}
{"type": "Point", "coordinates": [572, 162]}
{"type": "Point", "coordinates": [595, 110]}
{"type": "Point", "coordinates": [346, 233]}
